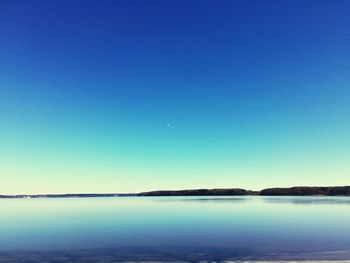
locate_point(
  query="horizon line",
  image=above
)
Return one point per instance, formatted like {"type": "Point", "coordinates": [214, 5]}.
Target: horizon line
{"type": "Point", "coordinates": [162, 190]}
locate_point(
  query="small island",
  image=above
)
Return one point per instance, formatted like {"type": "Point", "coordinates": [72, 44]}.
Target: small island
{"type": "Point", "coordinates": [198, 192]}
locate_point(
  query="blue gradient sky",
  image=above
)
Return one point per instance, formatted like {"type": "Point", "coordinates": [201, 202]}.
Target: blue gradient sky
{"type": "Point", "coordinates": [126, 96]}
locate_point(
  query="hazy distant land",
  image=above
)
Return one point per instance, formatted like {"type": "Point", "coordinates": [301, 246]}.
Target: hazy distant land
{"type": "Point", "coordinates": [64, 195]}
{"type": "Point", "coordinates": [291, 191]}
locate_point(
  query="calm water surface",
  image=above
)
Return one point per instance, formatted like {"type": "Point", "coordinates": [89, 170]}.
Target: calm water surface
{"type": "Point", "coordinates": [174, 228]}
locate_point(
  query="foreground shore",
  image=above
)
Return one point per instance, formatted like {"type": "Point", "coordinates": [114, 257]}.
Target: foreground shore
{"type": "Point", "coordinates": [180, 254]}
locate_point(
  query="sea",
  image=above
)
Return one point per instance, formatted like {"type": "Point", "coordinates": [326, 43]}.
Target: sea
{"type": "Point", "coordinates": [175, 229]}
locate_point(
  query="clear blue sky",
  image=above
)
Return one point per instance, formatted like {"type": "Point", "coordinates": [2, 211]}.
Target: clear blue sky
{"type": "Point", "coordinates": [127, 96]}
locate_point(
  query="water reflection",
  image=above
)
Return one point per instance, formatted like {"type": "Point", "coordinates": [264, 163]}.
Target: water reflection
{"type": "Point", "coordinates": [313, 200]}
{"type": "Point", "coordinates": [203, 199]}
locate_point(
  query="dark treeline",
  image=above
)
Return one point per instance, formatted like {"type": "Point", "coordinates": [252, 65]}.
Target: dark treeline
{"type": "Point", "coordinates": [305, 190]}
{"type": "Point", "coordinates": [229, 191]}
{"type": "Point", "coordinates": [291, 191]}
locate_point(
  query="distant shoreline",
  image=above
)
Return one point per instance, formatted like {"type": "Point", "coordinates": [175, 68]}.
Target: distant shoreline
{"type": "Point", "coordinates": [290, 191]}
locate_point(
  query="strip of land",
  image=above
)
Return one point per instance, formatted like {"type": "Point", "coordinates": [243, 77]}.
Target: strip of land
{"type": "Point", "coordinates": [291, 191]}
{"type": "Point", "coordinates": [199, 192]}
